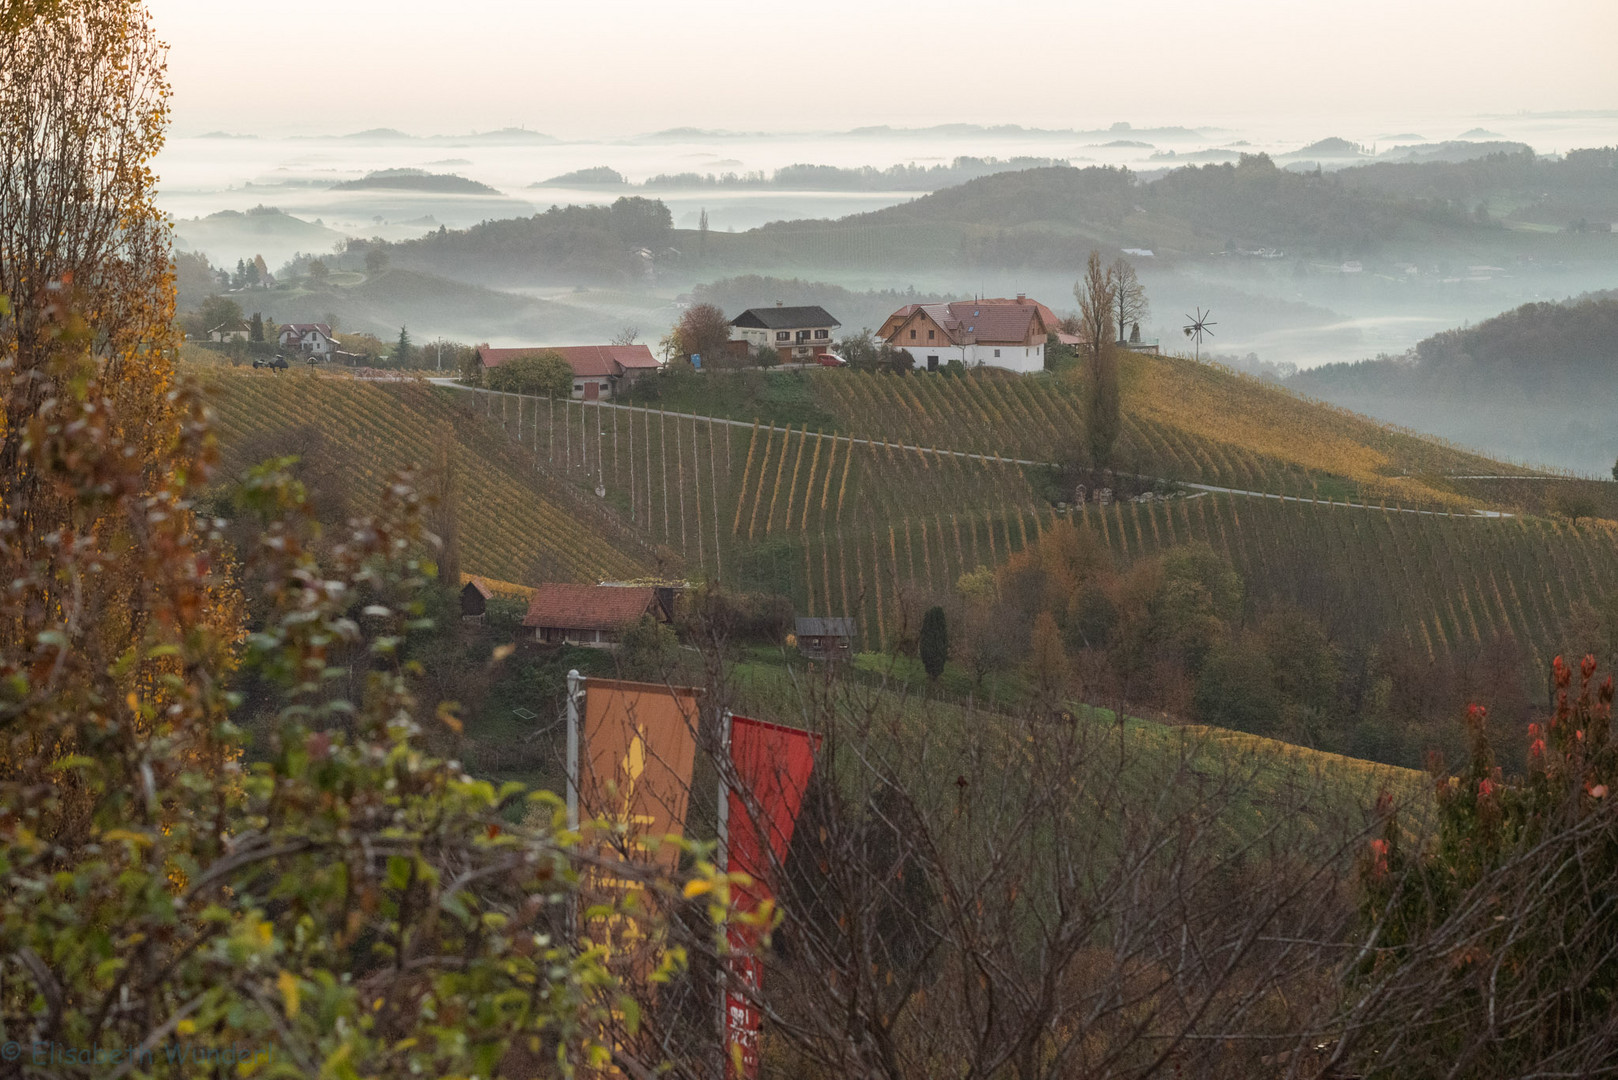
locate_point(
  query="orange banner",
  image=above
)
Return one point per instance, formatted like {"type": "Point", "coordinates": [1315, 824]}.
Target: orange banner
{"type": "Point", "coordinates": [639, 742]}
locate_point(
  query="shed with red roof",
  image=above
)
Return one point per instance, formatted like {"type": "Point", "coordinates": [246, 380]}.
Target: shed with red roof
{"type": "Point", "coordinates": [562, 614]}
{"type": "Point", "coordinates": [599, 371]}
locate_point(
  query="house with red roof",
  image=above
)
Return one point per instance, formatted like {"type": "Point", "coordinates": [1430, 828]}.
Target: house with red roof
{"type": "Point", "coordinates": [310, 339]}
{"type": "Point", "coordinates": [599, 371]}
{"type": "Point", "coordinates": [996, 332]}
{"type": "Point", "coordinates": [593, 615]}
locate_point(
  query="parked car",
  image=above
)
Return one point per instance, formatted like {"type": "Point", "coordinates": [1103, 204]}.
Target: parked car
{"type": "Point", "coordinates": [827, 359]}
{"type": "Point", "coordinates": [277, 363]}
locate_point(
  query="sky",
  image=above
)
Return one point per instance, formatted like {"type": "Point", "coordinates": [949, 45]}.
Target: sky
{"type": "Point", "coordinates": [597, 68]}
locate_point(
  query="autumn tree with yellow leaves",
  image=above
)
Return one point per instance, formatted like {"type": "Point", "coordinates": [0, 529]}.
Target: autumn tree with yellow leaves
{"type": "Point", "coordinates": [345, 904]}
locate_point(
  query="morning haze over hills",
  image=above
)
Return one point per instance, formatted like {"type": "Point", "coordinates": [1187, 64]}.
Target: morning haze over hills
{"type": "Point", "coordinates": [638, 540]}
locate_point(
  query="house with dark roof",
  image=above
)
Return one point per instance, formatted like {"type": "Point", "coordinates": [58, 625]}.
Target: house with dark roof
{"type": "Point", "coordinates": [232, 330]}
{"type": "Point", "coordinates": [824, 639]}
{"type": "Point", "coordinates": [599, 371]}
{"type": "Point", "coordinates": [799, 334]}
{"type": "Point", "coordinates": [997, 332]}
{"type": "Point", "coordinates": [308, 339]}
{"type": "Point", "coordinates": [593, 615]}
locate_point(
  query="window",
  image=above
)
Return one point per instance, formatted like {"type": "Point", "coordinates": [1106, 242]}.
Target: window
{"type": "Point", "coordinates": [820, 334]}
{"type": "Point", "coordinates": [929, 335]}
{"type": "Point", "coordinates": [783, 335]}
{"type": "Point", "coordinates": [913, 335]}
{"type": "Point", "coordinates": [578, 388]}
{"type": "Point", "coordinates": [997, 354]}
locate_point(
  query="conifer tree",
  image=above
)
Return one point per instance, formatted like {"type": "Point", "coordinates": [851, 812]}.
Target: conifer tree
{"type": "Point", "coordinates": [934, 642]}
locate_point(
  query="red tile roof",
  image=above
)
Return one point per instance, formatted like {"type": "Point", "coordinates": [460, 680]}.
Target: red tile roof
{"type": "Point", "coordinates": [586, 360]}
{"type": "Point", "coordinates": [996, 321]}
{"type": "Point", "coordinates": [588, 607]}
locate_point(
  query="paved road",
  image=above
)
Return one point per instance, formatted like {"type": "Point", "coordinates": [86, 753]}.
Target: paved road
{"type": "Point", "coordinates": [1202, 488]}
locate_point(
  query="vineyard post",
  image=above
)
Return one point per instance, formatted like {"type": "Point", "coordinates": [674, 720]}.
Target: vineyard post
{"type": "Point", "coordinates": [679, 474]}
{"type": "Point", "coordinates": [713, 496]}
{"type": "Point", "coordinates": [663, 464]}
{"type": "Point", "coordinates": [519, 419]}
{"type": "Point", "coordinates": [696, 487]}
{"type": "Point", "coordinates": [601, 461]}
{"type": "Point", "coordinates": [567, 436]}
{"type": "Point", "coordinates": [615, 446]}
{"type": "Point", "coordinates": [633, 497]}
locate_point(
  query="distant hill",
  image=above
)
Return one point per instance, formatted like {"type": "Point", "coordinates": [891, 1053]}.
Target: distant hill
{"type": "Point", "coordinates": [1052, 217]}
{"type": "Point", "coordinates": [1583, 184]}
{"type": "Point", "coordinates": [417, 180]}
{"type": "Point", "coordinates": [1329, 148]}
{"type": "Point", "coordinates": [1455, 150]}
{"type": "Point", "coordinates": [1534, 383]}
{"type": "Point", "coordinates": [429, 304]}
{"type": "Point", "coordinates": [567, 245]}
{"type": "Point", "coordinates": [600, 174]}
{"type": "Point", "coordinates": [229, 235]}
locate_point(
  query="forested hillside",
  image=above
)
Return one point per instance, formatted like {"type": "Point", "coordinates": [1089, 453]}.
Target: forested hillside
{"type": "Point", "coordinates": [1534, 383]}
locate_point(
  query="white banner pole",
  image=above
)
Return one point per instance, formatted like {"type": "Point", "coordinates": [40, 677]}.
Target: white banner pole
{"type": "Point", "coordinates": [574, 692]}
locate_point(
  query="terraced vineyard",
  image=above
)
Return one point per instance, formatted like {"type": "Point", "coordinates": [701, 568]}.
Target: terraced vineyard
{"type": "Point", "coordinates": [512, 517]}
{"type": "Point", "coordinates": [1182, 420]}
{"type": "Point", "coordinates": [1446, 582]}
{"type": "Point", "coordinates": [845, 526]}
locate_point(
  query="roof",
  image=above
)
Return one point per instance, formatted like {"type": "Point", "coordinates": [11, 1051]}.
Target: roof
{"type": "Point", "coordinates": [302, 328]}
{"type": "Point", "coordinates": [585, 360]}
{"type": "Point", "coordinates": [482, 589]}
{"type": "Point", "coordinates": [587, 607]}
{"type": "Point", "coordinates": [784, 318]}
{"type": "Point", "coordinates": [231, 326]}
{"type": "Point", "coordinates": [965, 322]}
{"type": "Point", "coordinates": [836, 627]}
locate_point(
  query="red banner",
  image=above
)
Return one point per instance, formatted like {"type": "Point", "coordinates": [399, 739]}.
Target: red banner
{"type": "Point", "coordinates": [772, 766]}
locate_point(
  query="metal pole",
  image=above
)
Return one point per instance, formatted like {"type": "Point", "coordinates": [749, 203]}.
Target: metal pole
{"type": "Point", "coordinates": [722, 860]}
{"type": "Point", "coordinates": [574, 693]}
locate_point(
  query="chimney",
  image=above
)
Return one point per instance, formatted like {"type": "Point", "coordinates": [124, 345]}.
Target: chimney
{"type": "Point", "coordinates": [1022, 298]}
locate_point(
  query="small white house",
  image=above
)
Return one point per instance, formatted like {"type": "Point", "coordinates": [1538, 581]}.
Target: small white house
{"type": "Point", "coordinates": [799, 334]}
{"type": "Point", "coordinates": [234, 330]}
{"type": "Point", "coordinates": [310, 339]}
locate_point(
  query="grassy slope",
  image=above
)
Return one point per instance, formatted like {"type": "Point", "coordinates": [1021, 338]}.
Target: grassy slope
{"type": "Point", "coordinates": [512, 520]}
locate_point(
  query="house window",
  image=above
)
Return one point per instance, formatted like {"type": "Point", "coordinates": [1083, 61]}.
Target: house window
{"type": "Point", "coordinates": [997, 354]}
{"type": "Point", "coordinates": [820, 334]}
{"type": "Point", "coordinates": [578, 388]}
{"type": "Point", "coordinates": [783, 335]}
{"type": "Point", "coordinates": [913, 335]}
{"type": "Point", "coordinates": [929, 335]}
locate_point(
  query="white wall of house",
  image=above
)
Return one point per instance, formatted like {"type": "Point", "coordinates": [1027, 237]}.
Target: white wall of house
{"type": "Point", "coordinates": [1020, 358]}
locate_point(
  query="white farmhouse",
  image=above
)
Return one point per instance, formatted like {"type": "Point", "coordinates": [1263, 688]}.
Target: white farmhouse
{"type": "Point", "coordinates": [998, 333]}
{"type": "Point", "coordinates": [799, 334]}
{"type": "Point", "coordinates": [310, 339]}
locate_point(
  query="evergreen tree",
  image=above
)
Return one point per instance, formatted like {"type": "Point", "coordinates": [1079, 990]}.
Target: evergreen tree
{"type": "Point", "coordinates": [401, 351]}
{"type": "Point", "coordinates": [256, 329]}
{"type": "Point", "coordinates": [934, 642]}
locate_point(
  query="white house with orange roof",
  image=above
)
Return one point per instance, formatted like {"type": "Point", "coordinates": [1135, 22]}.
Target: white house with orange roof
{"type": "Point", "coordinates": [997, 332]}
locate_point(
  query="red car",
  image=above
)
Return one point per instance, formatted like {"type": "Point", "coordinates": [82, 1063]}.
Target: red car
{"type": "Point", "coordinates": [827, 359]}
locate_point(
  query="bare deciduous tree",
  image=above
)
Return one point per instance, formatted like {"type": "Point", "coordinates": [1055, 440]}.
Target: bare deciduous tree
{"type": "Point", "coordinates": [1129, 302]}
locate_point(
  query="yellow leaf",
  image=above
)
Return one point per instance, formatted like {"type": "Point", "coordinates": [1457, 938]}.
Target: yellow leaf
{"type": "Point", "coordinates": [288, 985]}
{"type": "Point", "coordinates": [697, 887]}
{"type": "Point", "coordinates": [186, 1027]}
{"type": "Point", "coordinates": [126, 835]}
